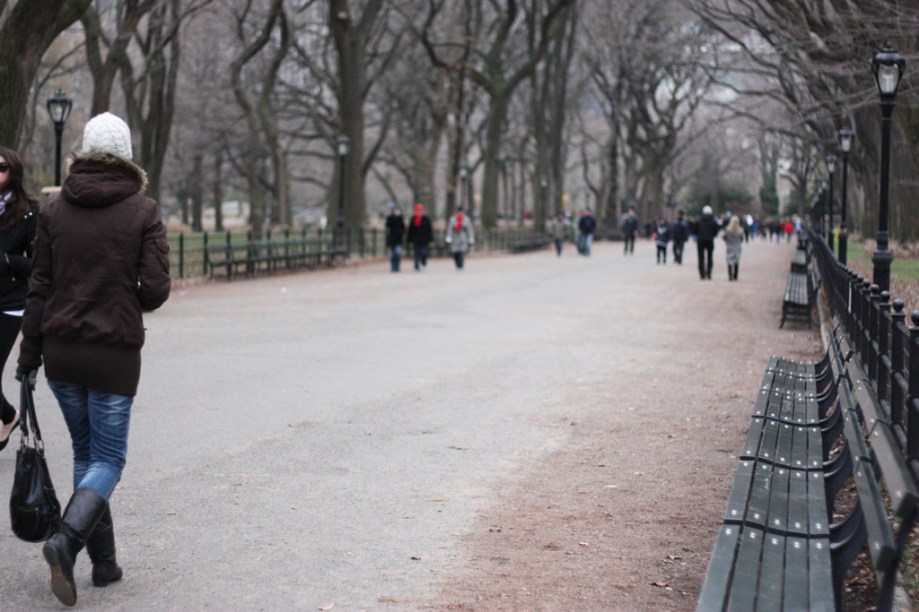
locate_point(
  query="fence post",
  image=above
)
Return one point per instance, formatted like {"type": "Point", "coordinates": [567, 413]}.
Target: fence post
{"type": "Point", "coordinates": [883, 349]}
{"type": "Point", "coordinates": [863, 324]}
{"type": "Point", "coordinates": [897, 332]}
{"type": "Point", "coordinates": [912, 400]}
{"type": "Point", "coordinates": [874, 299]}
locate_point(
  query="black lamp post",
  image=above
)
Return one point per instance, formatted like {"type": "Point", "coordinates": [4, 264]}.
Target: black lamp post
{"type": "Point", "coordinates": [846, 136]}
{"type": "Point", "coordinates": [343, 144]}
{"type": "Point", "coordinates": [888, 70]}
{"type": "Point", "coordinates": [831, 169]}
{"type": "Point", "coordinates": [59, 106]}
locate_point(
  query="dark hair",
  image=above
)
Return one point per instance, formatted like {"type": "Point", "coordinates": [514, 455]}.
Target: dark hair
{"type": "Point", "coordinates": [18, 206]}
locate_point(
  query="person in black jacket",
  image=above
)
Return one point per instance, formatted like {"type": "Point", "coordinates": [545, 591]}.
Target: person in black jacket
{"type": "Point", "coordinates": [586, 228]}
{"type": "Point", "coordinates": [706, 230]}
{"type": "Point", "coordinates": [18, 220]}
{"type": "Point", "coordinates": [679, 234]}
{"type": "Point", "coordinates": [420, 236]}
{"type": "Point", "coordinates": [395, 234]}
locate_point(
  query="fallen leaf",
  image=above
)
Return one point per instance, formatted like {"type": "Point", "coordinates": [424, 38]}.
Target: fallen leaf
{"type": "Point", "coordinates": [328, 607]}
{"type": "Point", "coordinates": [657, 583]}
{"type": "Point", "coordinates": [583, 543]}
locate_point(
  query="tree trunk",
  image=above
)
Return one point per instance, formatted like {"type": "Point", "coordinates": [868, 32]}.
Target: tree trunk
{"type": "Point", "coordinates": [29, 29]}
{"type": "Point", "coordinates": [217, 190]}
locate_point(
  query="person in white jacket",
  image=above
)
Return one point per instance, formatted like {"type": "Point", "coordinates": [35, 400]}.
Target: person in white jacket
{"type": "Point", "coordinates": [459, 236]}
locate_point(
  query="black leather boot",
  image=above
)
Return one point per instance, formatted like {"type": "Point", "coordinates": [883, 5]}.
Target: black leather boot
{"type": "Point", "coordinates": [83, 511]}
{"type": "Point", "coordinates": [101, 550]}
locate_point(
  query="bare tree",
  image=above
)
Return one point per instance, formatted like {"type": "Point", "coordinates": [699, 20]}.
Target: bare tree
{"type": "Point", "coordinates": [28, 29]}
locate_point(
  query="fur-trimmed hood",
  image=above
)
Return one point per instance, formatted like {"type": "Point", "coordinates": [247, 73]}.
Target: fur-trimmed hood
{"type": "Point", "coordinates": [99, 180]}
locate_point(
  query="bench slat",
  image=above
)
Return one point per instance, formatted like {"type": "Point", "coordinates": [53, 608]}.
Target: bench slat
{"type": "Point", "coordinates": [797, 580]}
{"type": "Point", "coordinates": [720, 569]}
{"type": "Point", "coordinates": [770, 592]}
{"type": "Point", "coordinates": [798, 515]}
{"type": "Point", "coordinates": [758, 503]}
{"type": "Point", "coordinates": [817, 509]}
{"type": "Point", "coordinates": [740, 492]}
{"type": "Point", "coordinates": [746, 571]}
{"type": "Point", "coordinates": [779, 501]}
{"type": "Point", "coordinates": [822, 598]}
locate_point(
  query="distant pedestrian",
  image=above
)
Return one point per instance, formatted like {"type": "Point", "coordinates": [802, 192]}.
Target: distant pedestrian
{"type": "Point", "coordinates": [395, 234]}
{"type": "Point", "coordinates": [629, 227]}
{"type": "Point", "coordinates": [679, 234]}
{"type": "Point", "coordinates": [586, 228]}
{"type": "Point", "coordinates": [558, 230]}
{"type": "Point", "coordinates": [18, 221]}
{"type": "Point", "coordinates": [420, 236]}
{"type": "Point", "coordinates": [459, 236]}
{"type": "Point", "coordinates": [789, 229]}
{"type": "Point", "coordinates": [661, 238]}
{"type": "Point", "coordinates": [734, 239]}
{"type": "Point", "coordinates": [101, 260]}
{"type": "Point", "coordinates": [706, 228]}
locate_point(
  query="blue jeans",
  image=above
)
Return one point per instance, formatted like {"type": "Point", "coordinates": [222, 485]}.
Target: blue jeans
{"type": "Point", "coordinates": [396, 258]}
{"type": "Point", "coordinates": [98, 424]}
{"type": "Point", "coordinates": [421, 255]}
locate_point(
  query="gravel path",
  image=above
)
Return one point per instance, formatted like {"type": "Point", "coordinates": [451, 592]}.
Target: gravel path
{"type": "Point", "coordinates": [535, 433]}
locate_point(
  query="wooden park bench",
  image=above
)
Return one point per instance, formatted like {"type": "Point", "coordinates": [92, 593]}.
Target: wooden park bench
{"type": "Point", "coordinates": [800, 294]}
{"type": "Point", "coordinates": [777, 547]}
{"type": "Point", "coordinates": [267, 256]}
{"type": "Point", "coordinates": [521, 243]}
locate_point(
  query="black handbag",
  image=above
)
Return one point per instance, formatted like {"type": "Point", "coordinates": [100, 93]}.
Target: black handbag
{"type": "Point", "coordinates": [34, 508]}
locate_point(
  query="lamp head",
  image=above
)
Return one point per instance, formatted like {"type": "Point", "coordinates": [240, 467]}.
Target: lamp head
{"type": "Point", "coordinates": [344, 145]}
{"type": "Point", "coordinates": [888, 71]}
{"type": "Point", "coordinates": [846, 136]}
{"type": "Point", "coordinates": [59, 106]}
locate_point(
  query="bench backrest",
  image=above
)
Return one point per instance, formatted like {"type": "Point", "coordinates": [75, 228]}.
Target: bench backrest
{"type": "Point", "coordinates": [877, 462]}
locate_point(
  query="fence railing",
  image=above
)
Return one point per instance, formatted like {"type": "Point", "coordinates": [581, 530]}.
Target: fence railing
{"type": "Point", "coordinates": [886, 346]}
{"type": "Point", "coordinates": [191, 253]}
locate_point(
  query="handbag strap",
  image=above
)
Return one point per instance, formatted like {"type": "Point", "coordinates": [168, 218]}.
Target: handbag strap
{"type": "Point", "coordinates": [27, 418]}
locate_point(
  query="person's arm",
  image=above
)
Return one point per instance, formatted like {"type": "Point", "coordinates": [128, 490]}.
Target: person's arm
{"type": "Point", "coordinates": [20, 264]}
{"type": "Point", "coordinates": [153, 283]}
{"type": "Point", "coordinates": [30, 348]}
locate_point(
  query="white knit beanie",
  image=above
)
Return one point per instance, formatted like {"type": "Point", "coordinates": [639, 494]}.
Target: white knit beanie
{"type": "Point", "coordinates": [107, 133]}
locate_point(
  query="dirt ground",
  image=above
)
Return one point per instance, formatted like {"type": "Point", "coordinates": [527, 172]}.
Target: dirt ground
{"type": "Point", "coordinates": [624, 516]}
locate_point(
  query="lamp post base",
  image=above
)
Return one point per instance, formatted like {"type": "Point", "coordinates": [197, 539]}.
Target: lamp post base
{"type": "Point", "coordinates": [881, 260]}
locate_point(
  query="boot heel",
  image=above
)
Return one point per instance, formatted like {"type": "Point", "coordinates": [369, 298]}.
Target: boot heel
{"type": "Point", "coordinates": [62, 586]}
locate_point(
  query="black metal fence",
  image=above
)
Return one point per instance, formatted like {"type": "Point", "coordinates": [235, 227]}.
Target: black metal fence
{"type": "Point", "coordinates": [886, 346]}
{"type": "Point", "coordinates": [203, 254]}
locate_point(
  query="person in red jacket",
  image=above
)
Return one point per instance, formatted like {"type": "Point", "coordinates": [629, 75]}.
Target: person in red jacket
{"type": "Point", "coordinates": [101, 259]}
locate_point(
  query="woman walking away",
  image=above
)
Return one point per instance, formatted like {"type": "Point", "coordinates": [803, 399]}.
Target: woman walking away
{"type": "Point", "coordinates": [733, 238]}
{"type": "Point", "coordinates": [18, 219]}
{"type": "Point", "coordinates": [459, 236]}
{"type": "Point", "coordinates": [101, 259]}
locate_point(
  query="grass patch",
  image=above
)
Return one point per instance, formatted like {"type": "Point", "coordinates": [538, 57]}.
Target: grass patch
{"type": "Point", "coordinates": [904, 270]}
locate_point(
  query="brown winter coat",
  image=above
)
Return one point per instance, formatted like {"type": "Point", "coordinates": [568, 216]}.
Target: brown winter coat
{"type": "Point", "coordinates": [100, 259]}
